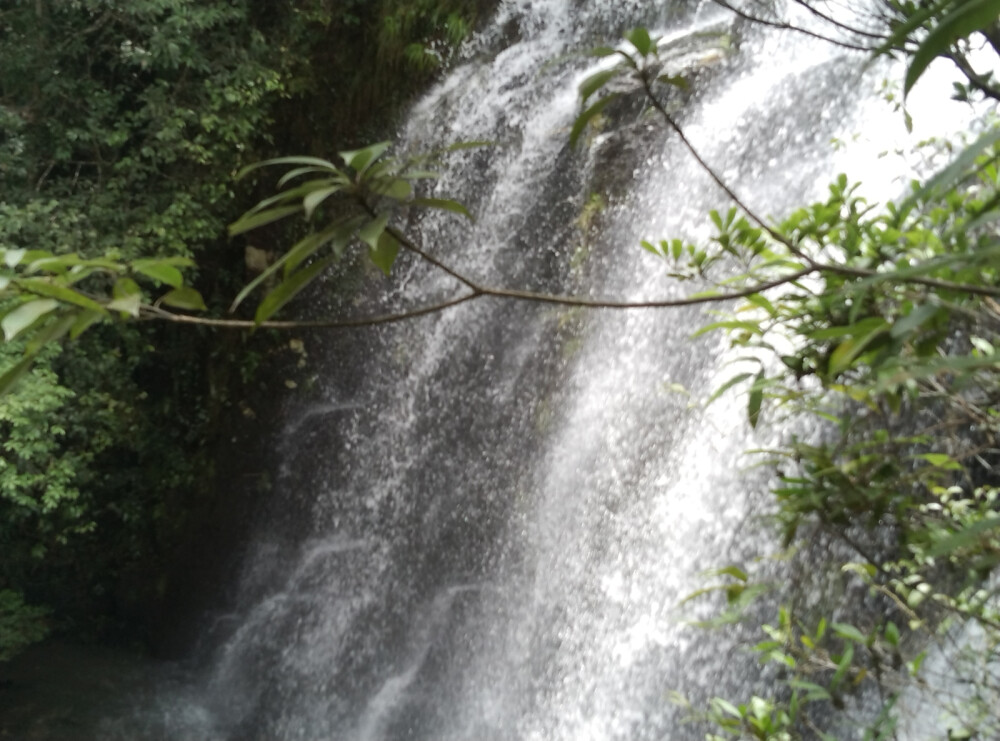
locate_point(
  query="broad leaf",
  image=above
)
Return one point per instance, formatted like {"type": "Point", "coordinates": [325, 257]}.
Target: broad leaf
{"type": "Point", "coordinates": [370, 232]}
{"type": "Point", "coordinates": [159, 272]}
{"type": "Point", "coordinates": [184, 298]}
{"type": "Point", "coordinates": [641, 40]}
{"type": "Point", "coordinates": [360, 159]}
{"type": "Point", "coordinates": [966, 18]}
{"type": "Point", "coordinates": [385, 252]}
{"type": "Point", "coordinates": [24, 315]}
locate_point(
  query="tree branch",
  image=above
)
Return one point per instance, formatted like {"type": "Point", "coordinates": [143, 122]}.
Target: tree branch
{"type": "Point", "coordinates": [784, 26]}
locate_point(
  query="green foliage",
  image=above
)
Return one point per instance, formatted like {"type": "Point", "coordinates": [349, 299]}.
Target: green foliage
{"type": "Point", "coordinates": [20, 624]}
{"type": "Point", "coordinates": [353, 202]}
{"type": "Point", "coordinates": [120, 128]}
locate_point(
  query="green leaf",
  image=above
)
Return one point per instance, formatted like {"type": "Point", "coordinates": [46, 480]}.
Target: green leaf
{"type": "Point", "coordinates": [847, 352]}
{"type": "Point", "coordinates": [84, 321]}
{"type": "Point", "coordinates": [316, 197]}
{"type": "Point", "coordinates": [12, 258]}
{"type": "Point", "coordinates": [584, 118]}
{"type": "Point", "coordinates": [43, 287]}
{"type": "Point", "coordinates": [184, 298]}
{"type": "Point", "coordinates": [323, 165]}
{"type": "Point", "coordinates": [160, 272]}
{"type": "Point", "coordinates": [370, 232]}
{"type": "Point", "coordinates": [641, 40]}
{"type": "Point", "coordinates": [298, 172]}
{"type": "Point", "coordinates": [602, 51]}
{"type": "Point", "coordinates": [913, 320]}
{"type": "Point", "coordinates": [967, 536]}
{"type": "Point", "coordinates": [849, 632]}
{"type": "Point", "coordinates": [360, 159]}
{"type": "Point", "coordinates": [739, 377]}
{"type": "Point", "coordinates": [472, 144]}
{"type": "Point", "coordinates": [24, 315]}
{"type": "Point", "coordinates": [751, 327]}
{"type": "Point", "coordinates": [892, 633]}
{"type": "Point", "coordinates": [252, 221]}
{"type": "Point", "coordinates": [969, 16]}
{"type": "Point", "coordinates": [842, 666]}
{"type": "Point", "coordinates": [596, 81]}
{"type": "Point", "coordinates": [914, 21]}
{"type": "Point", "coordinates": [288, 289]}
{"type": "Point", "coordinates": [954, 171]}
{"type": "Point", "coordinates": [393, 187]}
{"type": "Point", "coordinates": [445, 204]}
{"type": "Point", "coordinates": [51, 329]}
{"type": "Point", "coordinates": [129, 304]}
{"type": "Point", "coordinates": [385, 252]}
{"type": "Point", "coordinates": [14, 374]}
{"type": "Point", "coordinates": [300, 251]}
{"type": "Point", "coordinates": [678, 81]}
{"type": "Point", "coordinates": [734, 571]}
{"type": "Point", "coordinates": [726, 707]}
{"type": "Point", "coordinates": [755, 400]}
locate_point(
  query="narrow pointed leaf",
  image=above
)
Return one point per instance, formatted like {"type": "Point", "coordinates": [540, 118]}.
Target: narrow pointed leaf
{"type": "Point", "coordinates": [288, 289]}
{"type": "Point", "coordinates": [314, 199]}
{"type": "Point", "coordinates": [42, 287]}
{"type": "Point", "coordinates": [596, 81]}
{"type": "Point", "coordinates": [755, 400]}
{"type": "Point", "coordinates": [912, 23]}
{"type": "Point", "coordinates": [445, 204]}
{"type": "Point", "coordinates": [14, 374]}
{"type": "Point", "coordinates": [299, 252]}
{"type": "Point", "coordinates": [84, 321]}
{"type": "Point", "coordinates": [298, 172]}
{"type": "Point", "coordinates": [956, 170]}
{"type": "Point", "coordinates": [301, 161]}
{"type": "Point", "coordinates": [584, 118]}
{"type": "Point", "coordinates": [260, 219]}
{"type": "Point", "coordinates": [287, 197]}
{"type": "Point", "coordinates": [473, 144]}
{"type": "Point", "coordinates": [966, 18]}
{"type": "Point", "coordinates": [739, 377]}
{"type": "Point", "coordinates": [52, 329]}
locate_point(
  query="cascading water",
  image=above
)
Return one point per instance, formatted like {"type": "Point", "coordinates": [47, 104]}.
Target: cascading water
{"type": "Point", "coordinates": [485, 519]}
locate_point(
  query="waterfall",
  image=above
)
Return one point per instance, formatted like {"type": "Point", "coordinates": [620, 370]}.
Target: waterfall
{"type": "Point", "coordinates": [485, 519]}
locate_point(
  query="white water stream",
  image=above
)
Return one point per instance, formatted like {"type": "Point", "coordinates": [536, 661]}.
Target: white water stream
{"type": "Point", "coordinates": [483, 526]}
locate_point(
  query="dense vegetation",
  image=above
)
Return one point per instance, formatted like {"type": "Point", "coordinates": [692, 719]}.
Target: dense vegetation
{"type": "Point", "coordinates": [121, 125]}
{"type": "Point", "coordinates": [880, 319]}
